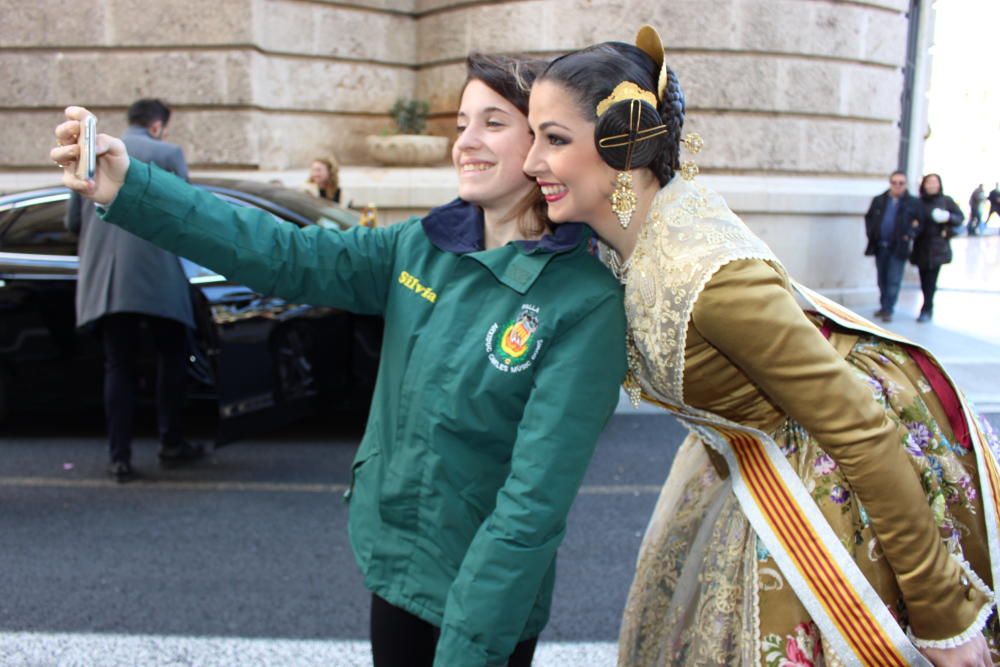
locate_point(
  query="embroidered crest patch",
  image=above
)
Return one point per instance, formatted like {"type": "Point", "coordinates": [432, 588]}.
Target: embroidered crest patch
{"type": "Point", "coordinates": [513, 347]}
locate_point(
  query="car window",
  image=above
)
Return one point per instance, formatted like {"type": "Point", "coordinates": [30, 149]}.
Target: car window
{"type": "Point", "coordinates": [36, 226]}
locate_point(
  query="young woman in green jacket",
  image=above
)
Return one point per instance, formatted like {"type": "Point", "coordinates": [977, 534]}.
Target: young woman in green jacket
{"type": "Point", "coordinates": [503, 352]}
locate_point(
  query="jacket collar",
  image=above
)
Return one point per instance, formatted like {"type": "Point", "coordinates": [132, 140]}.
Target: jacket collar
{"type": "Point", "coordinates": [457, 227]}
{"type": "Point", "coordinates": [137, 131]}
{"type": "Point", "coordinates": [906, 196]}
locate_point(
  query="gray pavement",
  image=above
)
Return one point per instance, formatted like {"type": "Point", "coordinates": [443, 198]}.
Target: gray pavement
{"type": "Point", "coordinates": [965, 332]}
{"type": "Point", "coordinates": [247, 555]}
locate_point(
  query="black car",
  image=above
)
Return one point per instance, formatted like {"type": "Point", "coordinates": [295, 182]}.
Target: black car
{"type": "Point", "coordinates": [262, 360]}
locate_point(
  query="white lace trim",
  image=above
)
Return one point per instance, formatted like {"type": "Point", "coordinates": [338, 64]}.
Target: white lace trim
{"type": "Point", "coordinates": [688, 236]}
{"type": "Point", "coordinates": [978, 624]}
{"type": "Point", "coordinates": [755, 607]}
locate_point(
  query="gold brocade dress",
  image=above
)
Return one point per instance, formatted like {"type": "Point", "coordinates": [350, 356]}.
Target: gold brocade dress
{"type": "Point", "coordinates": [715, 326]}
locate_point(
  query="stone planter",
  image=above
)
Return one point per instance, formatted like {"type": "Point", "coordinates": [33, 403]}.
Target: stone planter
{"type": "Point", "coordinates": [407, 150]}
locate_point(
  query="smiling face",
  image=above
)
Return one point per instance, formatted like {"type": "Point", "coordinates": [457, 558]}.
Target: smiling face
{"type": "Point", "coordinates": [493, 140]}
{"type": "Point", "coordinates": [319, 173]}
{"type": "Point", "coordinates": [563, 159]}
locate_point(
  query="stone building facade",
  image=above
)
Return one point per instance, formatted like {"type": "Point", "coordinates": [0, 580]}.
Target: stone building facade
{"type": "Point", "coordinates": [798, 100]}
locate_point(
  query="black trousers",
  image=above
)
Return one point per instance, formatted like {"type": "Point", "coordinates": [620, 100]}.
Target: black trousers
{"type": "Point", "coordinates": [121, 335]}
{"type": "Point", "coordinates": [400, 639]}
{"type": "Point", "coordinates": [928, 284]}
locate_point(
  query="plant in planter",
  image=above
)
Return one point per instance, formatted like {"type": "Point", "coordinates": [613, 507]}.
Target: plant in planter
{"type": "Point", "coordinates": [410, 115]}
{"type": "Point", "coordinates": [408, 147]}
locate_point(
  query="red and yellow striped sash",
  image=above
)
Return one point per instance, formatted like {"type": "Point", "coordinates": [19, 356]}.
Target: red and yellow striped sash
{"type": "Point", "coordinates": [986, 461]}
{"type": "Point", "coordinates": [844, 606]}
{"type": "Point", "coordinates": [806, 549]}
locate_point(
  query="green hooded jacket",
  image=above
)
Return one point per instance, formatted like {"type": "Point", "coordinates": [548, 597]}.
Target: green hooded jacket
{"type": "Point", "coordinates": [499, 368]}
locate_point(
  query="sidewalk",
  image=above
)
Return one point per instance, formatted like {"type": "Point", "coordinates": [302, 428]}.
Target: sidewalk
{"type": "Point", "coordinates": [965, 333]}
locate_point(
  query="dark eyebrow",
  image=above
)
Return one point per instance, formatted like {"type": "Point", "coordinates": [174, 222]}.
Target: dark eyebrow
{"type": "Point", "coordinates": [487, 110]}
{"type": "Point", "coordinates": [551, 123]}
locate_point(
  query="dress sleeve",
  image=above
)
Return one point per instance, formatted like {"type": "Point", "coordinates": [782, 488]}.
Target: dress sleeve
{"type": "Point", "coordinates": [748, 314]}
{"type": "Point", "coordinates": [321, 267]}
{"type": "Point", "coordinates": [575, 392]}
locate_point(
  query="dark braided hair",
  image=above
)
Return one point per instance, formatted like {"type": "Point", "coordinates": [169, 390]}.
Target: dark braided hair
{"type": "Point", "coordinates": [592, 73]}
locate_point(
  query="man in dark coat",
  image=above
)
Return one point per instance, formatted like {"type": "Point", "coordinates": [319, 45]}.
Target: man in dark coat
{"type": "Point", "coordinates": [127, 287]}
{"type": "Point", "coordinates": [891, 222]}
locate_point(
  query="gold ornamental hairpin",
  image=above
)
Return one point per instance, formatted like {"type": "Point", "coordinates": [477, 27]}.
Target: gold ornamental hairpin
{"type": "Point", "coordinates": [649, 41]}
{"type": "Point", "coordinates": [626, 90]}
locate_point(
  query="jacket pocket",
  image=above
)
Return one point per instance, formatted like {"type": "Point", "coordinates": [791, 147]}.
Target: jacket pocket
{"type": "Point", "coordinates": [360, 461]}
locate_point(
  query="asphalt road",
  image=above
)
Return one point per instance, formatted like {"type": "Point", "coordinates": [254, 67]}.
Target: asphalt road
{"type": "Point", "coordinates": [244, 560]}
{"type": "Point", "coordinates": [253, 543]}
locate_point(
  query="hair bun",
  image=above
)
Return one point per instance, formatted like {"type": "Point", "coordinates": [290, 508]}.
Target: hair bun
{"type": "Point", "coordinates": [614, 122]}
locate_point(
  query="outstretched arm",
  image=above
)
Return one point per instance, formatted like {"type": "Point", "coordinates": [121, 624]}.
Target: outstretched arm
{"type": "Point", "coordinates": [348, 270]}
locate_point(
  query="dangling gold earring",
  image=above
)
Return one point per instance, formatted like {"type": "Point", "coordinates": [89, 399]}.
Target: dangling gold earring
{"type": "Point", "coordinates": [693, 143]}
{"type": "Point", "coordinates": [623, 199]}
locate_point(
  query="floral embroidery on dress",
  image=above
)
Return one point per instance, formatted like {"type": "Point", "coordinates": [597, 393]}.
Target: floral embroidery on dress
{"type": "Point", "coordinates": [801, 649]}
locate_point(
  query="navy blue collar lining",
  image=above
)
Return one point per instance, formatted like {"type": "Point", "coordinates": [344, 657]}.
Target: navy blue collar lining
{"type": "Point", "coordinates": [458, 227]}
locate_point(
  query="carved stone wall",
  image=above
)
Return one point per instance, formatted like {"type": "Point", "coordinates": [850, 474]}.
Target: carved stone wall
{"type": "Point", "coordinates": [798, 100]}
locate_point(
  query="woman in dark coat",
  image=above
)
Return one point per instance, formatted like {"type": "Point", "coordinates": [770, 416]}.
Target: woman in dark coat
{"type": "Point", "coordinates": [940, 219]}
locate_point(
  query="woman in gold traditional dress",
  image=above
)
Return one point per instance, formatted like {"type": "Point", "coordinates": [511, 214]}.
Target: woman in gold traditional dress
{"type": "Point", "coordinates": [833, 504]}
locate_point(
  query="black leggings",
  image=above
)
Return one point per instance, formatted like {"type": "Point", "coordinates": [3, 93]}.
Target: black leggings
{"type": "Point", "coordinates": [928, 284]}
{"type": "Point", "coordinates": [400, 639]}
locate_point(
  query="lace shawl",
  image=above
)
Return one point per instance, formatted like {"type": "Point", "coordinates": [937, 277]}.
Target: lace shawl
{"type": "Point", "coordinates": [689, 234]}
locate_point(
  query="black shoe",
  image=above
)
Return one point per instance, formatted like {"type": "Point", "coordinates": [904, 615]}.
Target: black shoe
{"type": "Point", "coordinates": [122, 472]}
{"type": "Point", "coordinates": [886, 317]}
{"type": "Point", "coordinates": [180, 454]}
{"type": "Point", "coordinates": [924, 317]}
{"type": "Point", "coordinates": [880, 313]}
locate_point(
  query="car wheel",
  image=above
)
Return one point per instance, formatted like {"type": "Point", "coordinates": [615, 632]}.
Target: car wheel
{"type": "Point", "coordinates": [293, 363]}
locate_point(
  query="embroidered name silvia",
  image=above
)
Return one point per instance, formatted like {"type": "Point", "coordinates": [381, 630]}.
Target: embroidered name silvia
{"type": "Point", "coordinates": [413, 283]}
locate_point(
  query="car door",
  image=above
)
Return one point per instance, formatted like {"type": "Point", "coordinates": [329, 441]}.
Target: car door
{"type": "Point", "coordinates": [41, 357]}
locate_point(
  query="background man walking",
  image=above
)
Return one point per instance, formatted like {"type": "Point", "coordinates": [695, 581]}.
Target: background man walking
{"type": "Point", "coordinates": [891, 223]}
